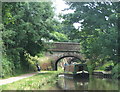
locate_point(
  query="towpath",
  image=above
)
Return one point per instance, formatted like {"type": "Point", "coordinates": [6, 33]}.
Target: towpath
{"type": "Point", "coordinates": [13, 79]}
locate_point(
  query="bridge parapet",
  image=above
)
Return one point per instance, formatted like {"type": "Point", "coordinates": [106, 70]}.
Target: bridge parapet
{"type": "Point", "coordinates": [64, 47]}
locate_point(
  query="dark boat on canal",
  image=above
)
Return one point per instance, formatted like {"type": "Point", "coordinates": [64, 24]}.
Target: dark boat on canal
{"type": "Point", "coordinates": [76, 71]}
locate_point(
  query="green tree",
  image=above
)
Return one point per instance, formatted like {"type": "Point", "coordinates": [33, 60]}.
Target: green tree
{"type": "Point", "coordinates": [25, 25]}
{"type": "Point", "coordinates": [99, 34]}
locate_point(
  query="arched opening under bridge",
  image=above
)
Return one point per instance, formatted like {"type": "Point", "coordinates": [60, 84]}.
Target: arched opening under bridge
{"type": "Point", "coordinates": [62, 57]}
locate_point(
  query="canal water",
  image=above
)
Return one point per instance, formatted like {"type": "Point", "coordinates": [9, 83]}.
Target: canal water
{"type": "Point", "coordinates": [92, 83]}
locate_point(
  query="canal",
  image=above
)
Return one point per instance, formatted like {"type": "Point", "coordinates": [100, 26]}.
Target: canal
{"type": "Point", "coordinates": [91, 83]}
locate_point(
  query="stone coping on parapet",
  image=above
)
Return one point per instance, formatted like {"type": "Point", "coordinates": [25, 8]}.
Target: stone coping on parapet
{"type": "Point", "coordinates": [62, 50]}
{"type": "Point", "coordinates": [73, 43]}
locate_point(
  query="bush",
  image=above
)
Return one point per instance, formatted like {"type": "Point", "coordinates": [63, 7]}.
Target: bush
{"type": "Point", "coordinates": [13, 66]}
{"type": "Point", "coordinates": [44, 62]}
{"type": "Point", "coordinates": [8, 68]}
{"type": "Point", "coordinates": [116, 71]}
{"type": "Point", "coordinates": [105, 65]}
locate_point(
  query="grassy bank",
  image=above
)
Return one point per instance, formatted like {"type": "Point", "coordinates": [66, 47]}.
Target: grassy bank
{"type": "Point", "coordinates": [35, 82]}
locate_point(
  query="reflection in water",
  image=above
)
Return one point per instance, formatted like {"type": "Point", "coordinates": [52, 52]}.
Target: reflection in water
{"type": "Point", "coordinates": [92, 83]}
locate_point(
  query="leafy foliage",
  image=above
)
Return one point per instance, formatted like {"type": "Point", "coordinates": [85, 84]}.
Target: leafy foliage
{"type": "Point", "coordinates": [25, 25]}
{"type": "Point", "coordinates": [116, 71]}
{"type": "Point", "coordinates": [56, 36]}
{"type": "Point", "coordinates": [28, 23]}
{"type": "Point", "coordinates": [98, 34]}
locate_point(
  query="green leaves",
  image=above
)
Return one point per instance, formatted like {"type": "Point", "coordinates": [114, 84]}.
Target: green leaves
{"type": "Point", "coordinates": [25, 24]}
{"type": "Point", "coordinates": [59, 37]}
{"type": "Point", "coordinates": [32, 21]}
{"type": "Point", "coordinates": [98, 35]}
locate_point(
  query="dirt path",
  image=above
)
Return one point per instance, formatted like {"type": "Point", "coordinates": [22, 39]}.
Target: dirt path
{"type": "Point", "coordinates": [13, 79]}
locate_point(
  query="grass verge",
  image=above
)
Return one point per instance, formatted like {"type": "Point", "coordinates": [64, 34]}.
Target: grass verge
{"type": "Point", "coordinates": [35, 82]}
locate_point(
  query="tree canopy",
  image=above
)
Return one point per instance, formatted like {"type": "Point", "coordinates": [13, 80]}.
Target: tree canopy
{"type": "Point", "coordinates": [25, 24]}
{"type": "Point", "coordinates": [98, 34]}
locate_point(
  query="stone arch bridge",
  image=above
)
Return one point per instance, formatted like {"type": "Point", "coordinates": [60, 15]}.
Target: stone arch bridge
{"type": "Point", "coordinates": [60, 50]}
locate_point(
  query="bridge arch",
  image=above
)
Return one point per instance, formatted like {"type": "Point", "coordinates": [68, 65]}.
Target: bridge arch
{"type": "Point", "coordinates": [60, 50]}
{"type": "Point", "coordinates": [67, 55]}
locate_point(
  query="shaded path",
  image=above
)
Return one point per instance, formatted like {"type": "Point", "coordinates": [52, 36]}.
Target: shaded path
{"type": "Point", "coordinates": [13, 79]}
